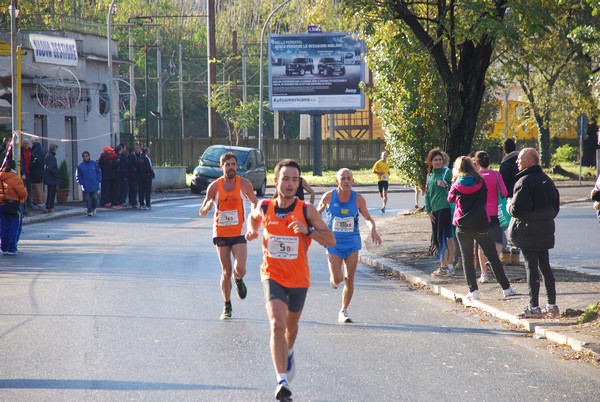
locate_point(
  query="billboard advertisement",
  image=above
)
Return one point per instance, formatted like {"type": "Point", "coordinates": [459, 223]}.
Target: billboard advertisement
{"type": "Point", "coordinates": [318, 72]}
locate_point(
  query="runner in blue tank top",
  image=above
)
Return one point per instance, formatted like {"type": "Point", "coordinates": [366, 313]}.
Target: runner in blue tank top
{"type": "Point", "coordinates": [343, 206]}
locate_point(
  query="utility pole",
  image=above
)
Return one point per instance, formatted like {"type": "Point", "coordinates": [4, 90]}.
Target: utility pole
{"type": "Point", "coordinates": [181, 92]}
{"type": "Point", "coordinates": [159, 83]}
{"type": "Point", "coordinates": [212, 67]}
{"type": "Point", "coordinates": [244, 77]}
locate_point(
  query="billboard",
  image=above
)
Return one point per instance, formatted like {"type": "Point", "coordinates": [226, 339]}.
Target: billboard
{"type": "Point", "coordinates": [318, 72]}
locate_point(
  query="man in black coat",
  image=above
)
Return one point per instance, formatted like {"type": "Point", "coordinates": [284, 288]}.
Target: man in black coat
{"type": "Point", "coordinates": [534, 205]}
{"type": "Point", "coordinates": [132, 160]}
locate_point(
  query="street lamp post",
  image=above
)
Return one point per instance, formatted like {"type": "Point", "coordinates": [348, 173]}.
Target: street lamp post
{"type": "Point", "coordinates": [261, 67]}
{"type": "Point", "coordinates": [14, 12]}
{"type": "Point", "coordinates": [111, 11]}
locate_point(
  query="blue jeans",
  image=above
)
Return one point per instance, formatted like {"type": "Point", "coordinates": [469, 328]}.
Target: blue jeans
{"type": "Point", "coordinates": [10, 229]}
{"type": "Point", "coordinates": [91, 200]}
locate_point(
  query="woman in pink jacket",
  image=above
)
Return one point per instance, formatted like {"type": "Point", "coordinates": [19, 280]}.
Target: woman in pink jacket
{"type": "Point", "coordinates": [495, 185]}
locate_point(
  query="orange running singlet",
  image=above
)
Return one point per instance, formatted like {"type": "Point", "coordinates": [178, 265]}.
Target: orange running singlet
{"type": "Point", "coordinates": [230, 214]}
{"type": "Point", "coordinates": [285, 253]}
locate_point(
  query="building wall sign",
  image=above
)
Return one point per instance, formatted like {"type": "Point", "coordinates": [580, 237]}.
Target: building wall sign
{"type": "Point", "coordinates": [54, 50]}
{"type": "Point", "coordinates": [316, 72]}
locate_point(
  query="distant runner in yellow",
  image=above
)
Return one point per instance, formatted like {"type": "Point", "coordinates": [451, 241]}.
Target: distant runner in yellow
{"type": "Point", "coordinates": [382, 169]}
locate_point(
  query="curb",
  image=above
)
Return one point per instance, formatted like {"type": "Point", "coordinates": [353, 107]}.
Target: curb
{"type": "Point", "coordinates": [414, 276]}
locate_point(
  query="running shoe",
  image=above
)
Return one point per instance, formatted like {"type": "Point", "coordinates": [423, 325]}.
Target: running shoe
{"type": "Point", "coordinates": [440, 272]}
{"type": "Point", "coordinates": [333, 285]}
{"type": "Point", "coordinates": [551, 310]}
{"type": "Point", "coordinates": [343, 316]}
{"type": "Point", "coordinates": [474, 295]}
{"type": "Point", "coordinates": [291, 367]}
{"type": "Point", "coordinates": [226, 312]}
{"type": "Point", "coordinates": [383, 210]}
{"type": "Point", "coordinates": [451, 271]}
{"type": "Point", "coordinates": [531, 312]}
{"type": "Point", "coordinates": [242, 291]}
{"type": "Point", "coordinates": [509, 292]}
{"type": "Point", "coordinates": [485, 278]}
{"type": "Point", "coordinates": [283, 391]}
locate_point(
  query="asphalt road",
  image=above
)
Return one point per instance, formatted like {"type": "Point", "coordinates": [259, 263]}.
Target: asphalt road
{"type": "Point", "coordinates": [125, 306]}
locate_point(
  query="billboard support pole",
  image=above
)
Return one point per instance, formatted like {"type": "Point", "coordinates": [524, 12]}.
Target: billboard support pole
{"type": "Point", "coordinates": [261, 68]}
{"type": "Point", "coordinates": [317, 145]}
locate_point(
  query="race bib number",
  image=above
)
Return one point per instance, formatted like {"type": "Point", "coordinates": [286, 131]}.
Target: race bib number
{"type": "Point", "coordinates": [384, 177]}
{"type": "Point", "coordinates": [228, 218]}
{"type": "Point", "coordinates": [283, 247]}
{"type": "Point", "coordinates": [345, 225]}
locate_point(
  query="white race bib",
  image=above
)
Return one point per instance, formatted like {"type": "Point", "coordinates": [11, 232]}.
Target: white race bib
{"type": "Point", "coordinates": [228, 218]}
{"type": "Point", "coordinates": [345, 225]}
{"type": "Point", "coordinates": [283, 247]}
{"type": "Point", "coordinates": [384, 177]}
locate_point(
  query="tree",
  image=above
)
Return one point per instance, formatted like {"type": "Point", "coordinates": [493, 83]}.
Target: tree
{"type": "Point", "coordinates": [551, 68]}
{"type": "Point", "coordinates": [238, 115]}
{"type": "Point", "coordinates": [459, 37]}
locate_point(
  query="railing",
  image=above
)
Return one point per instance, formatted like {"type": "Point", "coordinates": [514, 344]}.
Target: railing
{"type": "Point", "coordinates": [353, 154]}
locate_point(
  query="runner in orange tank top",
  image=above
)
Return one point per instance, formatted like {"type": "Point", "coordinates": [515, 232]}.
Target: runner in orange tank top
{"type": "Point", "coordinates": [228, 193]}
{"type": "Point", "coordinates": [289, 225]}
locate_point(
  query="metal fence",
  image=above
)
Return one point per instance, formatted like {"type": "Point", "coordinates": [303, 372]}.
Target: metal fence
{"type": "Point", "coordinates": [353, 154]}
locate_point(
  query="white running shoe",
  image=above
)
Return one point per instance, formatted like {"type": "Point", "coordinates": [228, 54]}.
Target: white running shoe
{"type": "Point", "coordinates": [485, 278]}
{"type": "Point", "coordinates": [474, 295]}
{"type": "Point", "coordinates": [343, 316]}
{"type": "Point", "coordinates": [509, 292]}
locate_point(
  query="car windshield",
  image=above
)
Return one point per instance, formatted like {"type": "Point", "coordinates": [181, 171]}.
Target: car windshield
{"type": "Point", "coordinates": [212, 155]}
{"type": "Point", "coordinates": [328, 60]}
{"type": "Point", "coordinates": [299, 61]}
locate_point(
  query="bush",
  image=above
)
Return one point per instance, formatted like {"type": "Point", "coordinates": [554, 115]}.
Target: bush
{"type": "Point", "coordinates": [63, 170]}
{"type": "Point", "coordinates": [564, 153]}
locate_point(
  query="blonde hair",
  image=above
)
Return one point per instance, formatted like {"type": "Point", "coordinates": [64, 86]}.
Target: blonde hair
{"type": "Point", "coordinates": [464, 166]}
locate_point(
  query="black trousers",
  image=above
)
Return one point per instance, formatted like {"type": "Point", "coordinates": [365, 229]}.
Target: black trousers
{"type": "Point", "coordinates": [133, 191]}
{"type": "Point", "coordinates": [50, 196]}
{"type": "Point", "coordinates": [534, 260]}
{"type": "Point", "coordinates": [144, 190]}
{"type": "Point", "coordinates": [466, 241]}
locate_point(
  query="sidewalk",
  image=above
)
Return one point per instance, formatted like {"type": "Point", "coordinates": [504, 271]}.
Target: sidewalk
{"type": "Point", "coordinates": [402, 254]}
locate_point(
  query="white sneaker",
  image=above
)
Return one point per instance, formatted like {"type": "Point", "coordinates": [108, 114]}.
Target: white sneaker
{"type": "Point", "coordinates": [344, 317]}
{"type": "Point", "coordinates": [509, 292]}
{"type": "Point", "coordinates": [451, 271]}
{"type": "Point", "coordinates": [474, 295]}
{"type": "Point", "coordinates": [485, 278]}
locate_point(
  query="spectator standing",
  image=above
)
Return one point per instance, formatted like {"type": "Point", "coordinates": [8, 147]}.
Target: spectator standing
{"type": "Point", "coordinates": [5, 151]}
{"type": "Point", "coordinates": [145, 174]}
{"type": "Point", "coordinates": [509, 171]}
{"type": "Point", "coordinates": [12, 189]}
{"type": "Point", "coordinates": [106, 165]}
{"type": "Point", "coordinates": [285, 272]}
{"type": "Point", "coordinates": [382, 169]}
{"type": "Point", "coordinates": [135, 154]}
{"type": "Point", "coordinates": [495, 185]}
{"type": "Point", "coordinates": [36, 170]}
{"type": "Point", "coordinates": [343, 206]}
{"type": "Point", "coordinates": [89, 177]}
{"type": "Point", "coordinates": [25, 172]}
{"type": "Point", "coordinates": [469, 193]}
{"type": "Point", "coordinates": [534, 205]}
{"type": "Point", "coordinates": [438, 209]}
{"type": "Point", "coordinates": [124, 169]}
{"type": "Point", "coordinates": [227, 194]}
{"type": "Point", "coordinates": [51, 176]}
{"type": "Point", "coordinates": [115, 180]}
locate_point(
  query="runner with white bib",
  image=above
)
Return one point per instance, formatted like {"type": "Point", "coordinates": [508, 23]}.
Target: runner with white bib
{"type": "Point", "coordinates": [382, 169]}
{"type": "Point", "coordinates": [343, 206]}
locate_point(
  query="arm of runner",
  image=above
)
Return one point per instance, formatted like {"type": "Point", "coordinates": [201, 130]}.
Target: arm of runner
{"type": "Point", "coordinates": [255, 218]}
{"type": "Point", "coordinates": [209, 200]}
{"type": "Point", "coordinates": [249, 192]}
{"type": "Point", "coordinates": [324, 203]}
{"type": "Point", "coordinates": [364, 211]}
{"type": "Point", "coordinates": [320, 232]}
{"type": "Point", "coordinates": [309, 190]}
